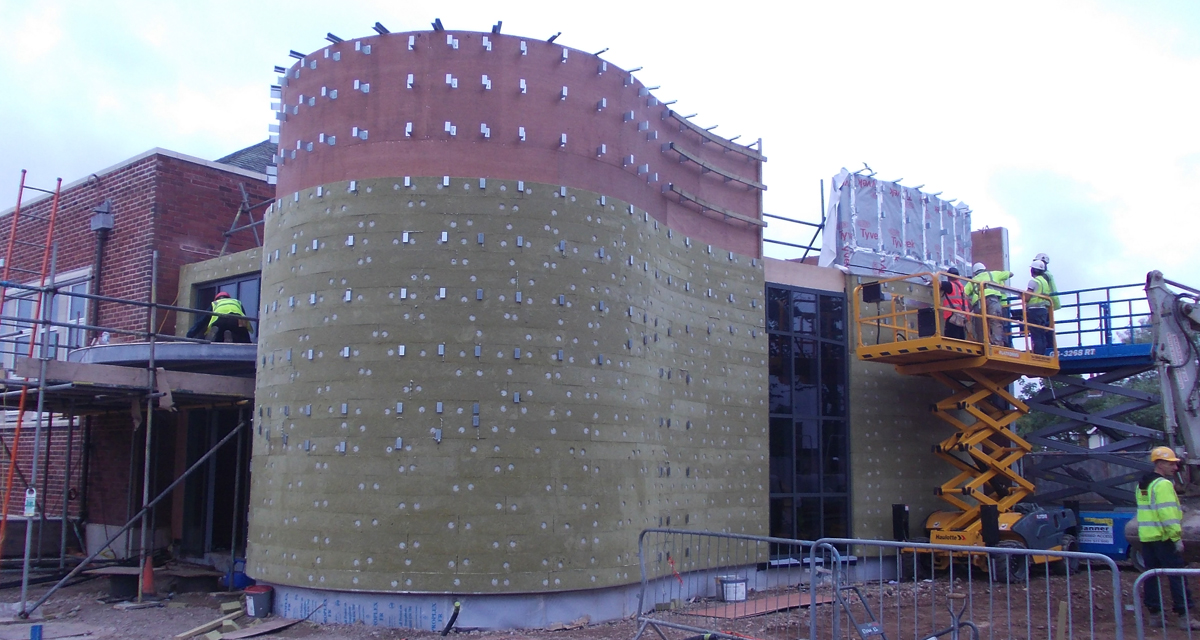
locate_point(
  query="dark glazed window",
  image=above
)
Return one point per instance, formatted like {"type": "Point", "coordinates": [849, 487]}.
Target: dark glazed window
{"type": "Point", "coordinates": [810, 485]}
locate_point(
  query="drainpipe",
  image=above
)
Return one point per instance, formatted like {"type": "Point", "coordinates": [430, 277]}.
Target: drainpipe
{"type": "Point", "coordinates": [102, 224]}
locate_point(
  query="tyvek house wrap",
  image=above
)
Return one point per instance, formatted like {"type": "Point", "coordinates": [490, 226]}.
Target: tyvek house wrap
{"type": "Point", "coordinates": [879, 228]}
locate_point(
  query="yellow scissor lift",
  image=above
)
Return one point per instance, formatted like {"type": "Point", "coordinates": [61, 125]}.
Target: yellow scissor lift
{"type": "Point", "coordinates": [900, 322]}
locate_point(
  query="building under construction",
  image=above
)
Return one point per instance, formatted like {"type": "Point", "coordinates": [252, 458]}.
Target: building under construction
{"type": "Point", "coordinates": [511, 311]}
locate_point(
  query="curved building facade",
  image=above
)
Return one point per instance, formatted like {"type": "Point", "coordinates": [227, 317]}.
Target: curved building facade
{"type": "Point", "coordinates": [512, 315]}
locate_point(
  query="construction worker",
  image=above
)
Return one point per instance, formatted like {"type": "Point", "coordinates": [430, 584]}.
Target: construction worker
{"type": "Point", "coordinates": [954, 304]}
{"type": "Point", "coordinates": [1161, 531]}
{"type": "Point", "coordinates": [1045, 259]}
{"type": "Point", "coordinates": [1037, 310]}
{"type": "Point", "coordinates": [994, 301]}
{"type": "Point", "coordinates": [219, 327]}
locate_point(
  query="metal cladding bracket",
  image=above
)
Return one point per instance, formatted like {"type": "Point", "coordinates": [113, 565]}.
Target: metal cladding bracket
{"type": "Point", "coordinates": [707, 166]}
{"type": "Point", "coordinates": [708, 136]}
{"type": "Point", "coordinates": [708, 206]}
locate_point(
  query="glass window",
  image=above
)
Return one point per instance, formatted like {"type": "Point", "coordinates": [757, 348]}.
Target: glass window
{"type": "Point", "coordinates": [804, 310]}
{"type": "Point", "coordinates": [808, 434]}
{"type": "Point", "coordinates": [808, 457]}
{"type": "Point", "coordinates": [247, 294]}
{"type": "Point", "coordinates": [779, 311]}
{"type": "Point", "coordinates": [804, 380]}
{"type": "Point", "coordinates": [808, 519]}
{"type": "Point", "coordinates": [781, 455]}
{"type": "Point", "coordinates": [837, 518]}
{"type": "Point", "coordinates": [833, 379]}
{"type": "Point", "coordinates": [783, 518]}
{"type": "Point", "coordinates": [833, 318]}
{"type": "Point", "coordinates": [833, 462]}
{"type": "Point", "coordinates": [779, 370]}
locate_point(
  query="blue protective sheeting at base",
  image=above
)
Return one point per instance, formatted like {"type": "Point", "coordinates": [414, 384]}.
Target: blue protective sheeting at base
{"type": "Point", "coordinates": [1103, 357]}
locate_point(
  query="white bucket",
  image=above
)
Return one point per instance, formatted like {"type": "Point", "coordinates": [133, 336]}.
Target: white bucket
{"type": "Point", "coordinates": [733, 589]}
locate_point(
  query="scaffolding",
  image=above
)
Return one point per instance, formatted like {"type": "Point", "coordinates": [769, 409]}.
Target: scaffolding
{"type": "Point", "coordinates": [79, 388]}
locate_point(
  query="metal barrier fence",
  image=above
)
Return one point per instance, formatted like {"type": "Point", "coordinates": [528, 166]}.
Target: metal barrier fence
{"type": "Point", "coordinates": [707, 583]}
{"type": "Point", "coordinates": [739, 586]}
{"type": "Point", "coordinates": [1162, 621]}
{"type": "Point", "coordinates": [880, 588]}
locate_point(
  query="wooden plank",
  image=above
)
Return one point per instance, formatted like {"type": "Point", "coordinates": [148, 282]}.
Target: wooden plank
{"type": "Point", "coordinates": [115, 571]}
{"type": "Point", "coordinates": [133, 377]}
{"type": "Point", "coordinates": [208, 626]}
{"type": "Point", "coordinates": [757, 606]}
{"type": "Point", "coordinates": [261, 629]}
{"type": "Point", "coordinates": [50, 631]}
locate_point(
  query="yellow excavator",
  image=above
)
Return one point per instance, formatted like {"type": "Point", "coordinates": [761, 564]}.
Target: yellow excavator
{"type": "Point", "coordinates": [903, 321]}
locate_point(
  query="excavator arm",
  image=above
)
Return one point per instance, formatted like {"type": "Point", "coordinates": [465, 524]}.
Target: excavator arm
{"type": "Point", "coordinates": [1175, 324]}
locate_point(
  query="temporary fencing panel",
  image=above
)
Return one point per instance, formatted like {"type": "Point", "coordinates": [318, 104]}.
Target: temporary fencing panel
{"type": "Point", "coordinates": [1163, 621]}
{"type": "Point", "coordinates": [850, 588]}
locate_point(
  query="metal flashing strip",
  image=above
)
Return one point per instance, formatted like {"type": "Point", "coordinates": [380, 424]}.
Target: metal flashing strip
{"type": "Point", "coordinates": [708, 206]}
{"type": "Point", "coordinates": [708, 135]}
{"type": "Point", "coordinates": [715, 169]}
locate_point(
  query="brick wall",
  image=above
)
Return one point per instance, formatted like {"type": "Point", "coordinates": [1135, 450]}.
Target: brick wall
{"type": "Point", "coordinates": [159, 202]}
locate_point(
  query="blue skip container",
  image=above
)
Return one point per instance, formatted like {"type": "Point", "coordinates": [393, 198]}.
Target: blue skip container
{"type": "Point", "coordinates": [1104, 532]}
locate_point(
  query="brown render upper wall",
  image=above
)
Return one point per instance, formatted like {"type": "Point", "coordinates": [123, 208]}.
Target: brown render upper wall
{"type": "Point", "coordinates": [389, 105]}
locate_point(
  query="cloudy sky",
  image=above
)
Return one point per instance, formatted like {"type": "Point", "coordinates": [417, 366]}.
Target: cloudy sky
{"type": "Point", "coordinates": [1074, 124]}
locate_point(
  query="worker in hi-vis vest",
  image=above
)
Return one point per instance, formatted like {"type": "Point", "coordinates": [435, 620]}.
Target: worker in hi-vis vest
{"type": "Point", "coordinates": [1038, 309]}
{"type": "Point", "coordinates": [1160, 529]}
{"type": "Point", "coordinates": [954, 306]}
{"type": "Point", "coordinates": [994, 301]}
{"type": "Point", "coordinates": [237, 329]}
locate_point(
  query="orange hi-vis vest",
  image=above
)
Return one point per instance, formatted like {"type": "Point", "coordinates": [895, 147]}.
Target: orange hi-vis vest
{"type": "Point", "coordinates": [956, 301]}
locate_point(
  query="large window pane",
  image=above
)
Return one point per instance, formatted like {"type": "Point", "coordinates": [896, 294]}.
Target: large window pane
{"type": "Point", "coordinates": [833, 318]}
{"type": "Point", "coordinates": [804, 313]}
{"type": "Point", "coordinates": [779, 309]}
{"type": "Point", "coordinates": [808, 457]}
{"type": "Point", "coordinates": [837, 518]}
{"type": "Point", "coordinates": [833, 379]}
{"type": "Point", "coordinates": [804, 377]}
{"type": "Point", "coordinates": [781, 455]}
{"type": "Point", "coordinates": [808, 519]}
{"type": "Point", "coordinates": [783, 518]}
{"type": "Point", "coordinates": [834, 456]}
{"type": "Point", "coordinates": [780, 374]}
{"type": "Point", "coordinates": [248, 295]}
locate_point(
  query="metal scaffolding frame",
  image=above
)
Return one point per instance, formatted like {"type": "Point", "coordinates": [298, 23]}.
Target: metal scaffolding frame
{"type": "Point", "coordinates": [65, 395]}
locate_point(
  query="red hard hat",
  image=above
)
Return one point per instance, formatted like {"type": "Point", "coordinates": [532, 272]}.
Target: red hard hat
{"type": "Point", "coordinates": [221, 295]}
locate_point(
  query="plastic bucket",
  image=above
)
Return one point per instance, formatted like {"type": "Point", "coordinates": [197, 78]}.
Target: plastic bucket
{"type": "Point", "coordinates": [733, 589]}
{"type": "Point", "coordinates": [258, 600]}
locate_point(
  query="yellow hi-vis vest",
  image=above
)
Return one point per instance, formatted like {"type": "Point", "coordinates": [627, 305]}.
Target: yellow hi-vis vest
{"type": "Point", "coordinates": [1046, 289]}
{"type": "Point", "coordinates": [225, 305]}
{"type": "Point", "coordinates": [998, 277]}
{"type": "Point", "coordinates": [1158, 513]}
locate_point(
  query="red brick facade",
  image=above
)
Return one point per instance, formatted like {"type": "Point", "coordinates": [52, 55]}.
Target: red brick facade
{"type": "Point", "coordinates": [161, 201]}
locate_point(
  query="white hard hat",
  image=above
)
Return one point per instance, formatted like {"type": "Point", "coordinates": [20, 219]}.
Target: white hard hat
{"type": "Point", "coordinates": [1043, 258]}
{"type": "Point", "coordinates": [978, 266]}
{"type": "Point", "coordinates": [1038, 264]}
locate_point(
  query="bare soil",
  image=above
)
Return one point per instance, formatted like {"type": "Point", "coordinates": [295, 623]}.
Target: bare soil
{"type": "Point", "coordinates": [907, 610]}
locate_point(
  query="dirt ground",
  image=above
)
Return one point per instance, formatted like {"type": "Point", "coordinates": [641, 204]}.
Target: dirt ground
{"type": "Point", "coordinates": [908, 610]}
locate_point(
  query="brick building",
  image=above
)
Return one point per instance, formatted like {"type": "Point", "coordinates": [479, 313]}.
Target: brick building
{"type": "Point", "coordinates": [160, 201]}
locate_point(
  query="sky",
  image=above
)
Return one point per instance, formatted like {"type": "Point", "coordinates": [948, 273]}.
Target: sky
{"type": "Point", "coordinates": [1073, 124]}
